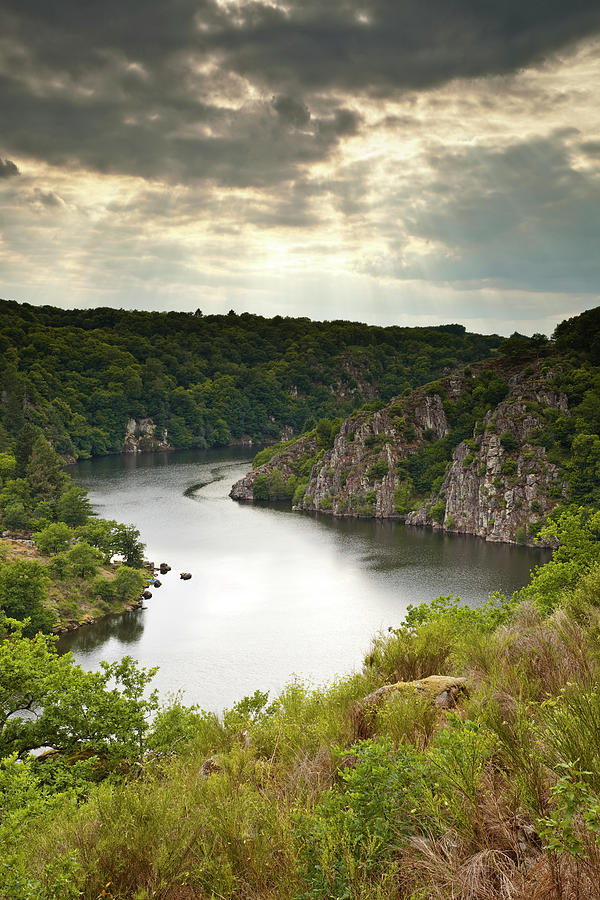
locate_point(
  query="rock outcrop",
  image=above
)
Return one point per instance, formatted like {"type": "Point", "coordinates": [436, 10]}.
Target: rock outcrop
{"type": "Point", "coordinates": [141, 436]}
{"type": "Point", "coordinates": [288, 461]}
{"type": "Point", "coordinates": [443, 691]}
{"type": "Point", "coordinates": [498, 484]}
{"type": "Point", "coordinates": [501, 485]}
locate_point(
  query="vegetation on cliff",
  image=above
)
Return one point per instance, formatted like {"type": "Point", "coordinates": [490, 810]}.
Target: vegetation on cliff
{"type": "Point", "coordinates": [490, 449]}
{"type": "Point", "coordinates": [82, 375]}
{"type": "Point", "coordinates": [443, 788]}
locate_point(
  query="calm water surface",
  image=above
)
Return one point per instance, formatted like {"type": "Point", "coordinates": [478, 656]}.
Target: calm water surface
{"type": "Point", "coordinates": [273, 593]}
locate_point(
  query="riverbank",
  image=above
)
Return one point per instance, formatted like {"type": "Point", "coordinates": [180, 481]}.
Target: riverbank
{"type": "Point", "coordinates": [74, 602]}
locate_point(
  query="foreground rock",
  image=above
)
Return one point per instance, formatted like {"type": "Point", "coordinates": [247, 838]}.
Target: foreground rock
{"type": "Point", "coordinates": [444, 691]}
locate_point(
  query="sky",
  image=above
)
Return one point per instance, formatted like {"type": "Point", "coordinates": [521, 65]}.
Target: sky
{"type": "Point", "coordinates": [391, 161]}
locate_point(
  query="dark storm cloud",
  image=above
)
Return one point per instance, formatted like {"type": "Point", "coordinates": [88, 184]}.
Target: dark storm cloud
{"type": "Point", "coordinates": [141, 88]}
{"type": "Point", "coordinates": [7, 168]}
{"type": "Point", "coordinates": [341, 42]}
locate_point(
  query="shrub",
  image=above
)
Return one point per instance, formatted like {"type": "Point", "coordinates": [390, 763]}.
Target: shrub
{"type": "Point", "coordinates": [353, 833]}
{"type": "Point", "coordinates": [438, 511]}
{"type": "Point", "coordinates": [509, 467]}
{"type": "Point", "coordinates": [509, 441]}
{"type": "Point", "coordinates": [407, 717]}
{"type": "Point", "coordinates": [378, 469]}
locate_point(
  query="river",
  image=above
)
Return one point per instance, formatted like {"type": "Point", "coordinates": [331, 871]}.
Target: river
{"type": "Point", "coordinates": [273, 593]}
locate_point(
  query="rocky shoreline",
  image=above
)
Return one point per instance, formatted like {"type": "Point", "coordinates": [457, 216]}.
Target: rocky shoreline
{"type": "Point", "coordinates": [499, 484]}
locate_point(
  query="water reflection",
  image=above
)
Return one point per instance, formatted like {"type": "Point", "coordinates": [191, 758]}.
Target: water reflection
{"type": "Point", "coordinates": [127, 628]}
{"type": "Point", "coordinates": [273, 592]}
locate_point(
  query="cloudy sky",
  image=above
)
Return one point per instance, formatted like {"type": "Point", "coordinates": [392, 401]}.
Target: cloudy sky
{"type": "Point", "coordinates": [392, 161]}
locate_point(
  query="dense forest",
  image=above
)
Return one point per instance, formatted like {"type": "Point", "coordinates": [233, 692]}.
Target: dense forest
{"type": "Point", "coordinates": [80, 375]}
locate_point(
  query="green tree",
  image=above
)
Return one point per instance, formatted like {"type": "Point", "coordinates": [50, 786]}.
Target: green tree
{"type": "Point", "coordinates": [8, 465]}
{"type": "Point", "coordinates": [53, 538]}
{"type": "Point", "coordinates": [126, 541]}
{"type": "Point", "coordinates": [73, 506]}
{"type": "Point", "coordinates": [84, 559]}
{"type": "Point", "coordinates": [584, 469]}
{"type": "Point", "coordinates": [23, 594]}
{"type": "Point", "coordinates": [44, 471]}
{"type": "Point", "coordinates": [128, 583]}
{"type": "Point", "coordinates": [106, 712]}
{"type": "Point", "coordinates": [26, 438]}
{"type": "Point", "coordinates": [101, 533]}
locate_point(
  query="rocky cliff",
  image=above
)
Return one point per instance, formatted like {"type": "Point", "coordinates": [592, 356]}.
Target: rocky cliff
{"type": "Point", "coordinates": [407, 461]}
{"type": "Point", "coordinates": [140, 436]}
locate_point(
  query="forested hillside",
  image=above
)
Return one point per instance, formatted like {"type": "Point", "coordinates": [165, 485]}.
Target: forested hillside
{"type": "Point", "coordinates": [81, 375]}
{"type": "Point", "coordinates": [490, 449]}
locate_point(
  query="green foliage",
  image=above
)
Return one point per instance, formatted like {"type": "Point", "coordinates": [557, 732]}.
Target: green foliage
{"type": "Point", "coordinates": [84, 560]}
{"type": "Point", "coordinates": [44, 471]}
{"type": "Point", "coordinates": [378, 469]}
{"type": "Point", "coordinates": [584, 469]}
{"type": "Point", "coordinates": [577, 533]}
{"type": "Point", "coordinates": [176, 727]}
{"type": "Point", "coordinates": [73, 507]}
{"type": "Point", "coordinates": [260, 487]}
{"type": "Point", "coordinates": [23, 592]}
{"type": "Point", "coordinates": [53, 538]}
{"type": "Point", "coordinates": [509, 467]}
{"type": "Point", "coordinates": [127, 583]}
{"type": "Point", "coordinates": [438, 511]}
{"type": "Point", "coordinates": [208, 379]}
{"type": "Point", "coordinates": [509, 441]}
{"type": "Point", "coordinates": [105, 712]}
{"type": "Point", "coordinates": [407, 717]}
{"type": "Point", "coordinates": [402, 497]}
{"type": "Point", "coordinates": [8, 465]}
{"type": "Point", "coordinates": [126, 542]}
{"type": "Point", "coordinates": [355, 830]}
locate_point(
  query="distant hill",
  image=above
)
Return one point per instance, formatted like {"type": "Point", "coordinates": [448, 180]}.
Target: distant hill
{"type": "Point", "coordinates": [102, 380]}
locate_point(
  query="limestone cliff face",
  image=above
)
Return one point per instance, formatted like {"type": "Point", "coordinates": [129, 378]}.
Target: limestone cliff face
{"type": "Point", "coordinates": [498, 488]}
{"type": "Point", "coordinates": [358, 476]}
{"type": "Point", "coordinates": [140, 435]}
{"type": "Point", "coordinates": [498, 484]}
